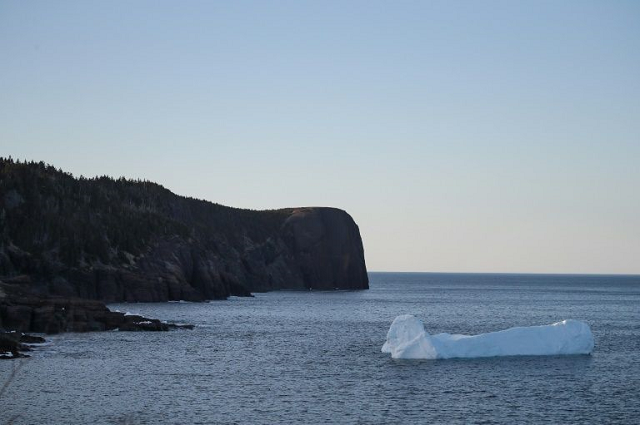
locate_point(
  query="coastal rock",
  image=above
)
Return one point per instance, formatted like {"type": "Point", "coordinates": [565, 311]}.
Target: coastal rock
{"type": "Point", "coordinates": [24, 311]}
{"type": "Point", "coordinates": [9, 346]}
{"type": "Point", "coordinates": [326, 247]}
{"type": "Point", "coordinates": [31, 339]}
{"type": "Point", "coordinates": [135, 241]}
{"type": "Point", "coordinates": [14, 344]}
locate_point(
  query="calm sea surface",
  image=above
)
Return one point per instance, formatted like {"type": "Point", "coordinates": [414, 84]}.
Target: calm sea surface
{"type": "Point", "coordinates": [314, 357]}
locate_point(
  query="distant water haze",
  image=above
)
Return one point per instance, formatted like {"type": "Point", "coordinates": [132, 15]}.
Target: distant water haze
{"type": "Point", "coordinates": [461, 136]}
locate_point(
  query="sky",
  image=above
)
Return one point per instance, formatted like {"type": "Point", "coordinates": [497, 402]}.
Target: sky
{"type": "Point", "coordinates": [462, 136]}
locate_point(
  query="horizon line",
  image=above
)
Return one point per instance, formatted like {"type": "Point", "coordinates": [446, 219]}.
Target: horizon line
{"type": "Point", "coordinates": [512, 273]}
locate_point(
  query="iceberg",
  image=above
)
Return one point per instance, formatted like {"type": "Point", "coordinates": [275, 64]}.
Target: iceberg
{"type": "Point", "coordinates": [407, 339]}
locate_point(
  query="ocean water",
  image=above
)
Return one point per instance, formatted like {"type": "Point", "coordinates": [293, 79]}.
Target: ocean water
{"type": "Point", "coordinates": [314, 357]}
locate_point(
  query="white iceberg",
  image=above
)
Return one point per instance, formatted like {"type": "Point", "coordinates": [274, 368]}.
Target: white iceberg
{"type": "Point", "coordinates": [407, 339]}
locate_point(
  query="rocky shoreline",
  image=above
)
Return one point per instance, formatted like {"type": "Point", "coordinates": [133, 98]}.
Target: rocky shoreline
{"type": "Point", "coordinates": [69, 245]}
{"type": "Point", "coordinates": [13, 345]}
{"type": "Point", "coordinates": [22, 311]}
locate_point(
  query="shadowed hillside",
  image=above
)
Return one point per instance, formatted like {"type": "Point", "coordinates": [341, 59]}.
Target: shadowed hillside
{"type": "Point", "coordinates": [124, 240]}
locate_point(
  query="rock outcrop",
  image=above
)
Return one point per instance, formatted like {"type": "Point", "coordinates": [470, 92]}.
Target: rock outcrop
{"type": "Point", "coordinates": [10, 346]}
{"type": "Point", "coordinates": [23, 311]}
{"type": "Point", "coordinates": [326, 248]}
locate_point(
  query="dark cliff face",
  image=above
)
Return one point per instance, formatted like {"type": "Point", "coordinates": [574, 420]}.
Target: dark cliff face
{"type": "Point", "coordinates": [120, 240]}
{"type": "Point", "coordinates": [326, 247]}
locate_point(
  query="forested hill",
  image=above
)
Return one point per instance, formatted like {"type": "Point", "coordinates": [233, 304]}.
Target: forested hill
{"type": "Point", "coordinates": [125, 240]}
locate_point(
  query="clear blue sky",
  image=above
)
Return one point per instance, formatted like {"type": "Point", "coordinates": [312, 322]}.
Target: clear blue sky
{"type": "Point", "coordinates": [461, 135]}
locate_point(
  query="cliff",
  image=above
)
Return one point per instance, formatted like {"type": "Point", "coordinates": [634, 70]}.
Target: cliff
{"type": "Point", "coordinates": [122, 240]}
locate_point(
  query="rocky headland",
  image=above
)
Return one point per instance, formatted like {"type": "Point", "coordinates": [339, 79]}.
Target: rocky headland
{"type": "Point", "coordinates": [68, 245]}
